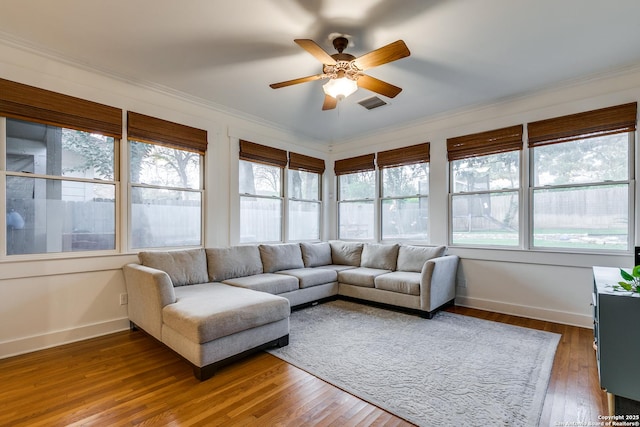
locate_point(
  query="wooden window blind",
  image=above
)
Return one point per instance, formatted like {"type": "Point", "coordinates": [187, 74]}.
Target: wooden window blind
{"type": "Point", "coordinates": [306, 163]}
{"type": "Point", "coordinates": [485, 143]}
{"type": "Point", "coordinates": [355, 164]}
{"type": "Point", "coordinates": [605, 121]}
{"type": "Point", "coordinates": [20, 101]}
{"type": "Point", "coordinates": [161, 132]}
{"type": "Point", "coordinates": [262, 154]}
{"type": "Point", "coordinates": [404, 156]}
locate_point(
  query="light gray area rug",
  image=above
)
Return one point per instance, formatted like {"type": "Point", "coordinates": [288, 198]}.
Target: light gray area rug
{"type": "Point", "coordinates": [452, 370]}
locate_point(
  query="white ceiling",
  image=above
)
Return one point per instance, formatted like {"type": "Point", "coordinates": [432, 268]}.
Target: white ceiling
{"type": "Point", "coordinates": [463, 52]}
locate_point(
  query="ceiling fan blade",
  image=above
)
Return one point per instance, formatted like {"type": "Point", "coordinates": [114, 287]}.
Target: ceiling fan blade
{"type": "Point", "coordinates": [378, 86]}
{"type": "Point", "coordinates": [329, 103]}
{"type": "Point", "coordinates": [391, 52]}
{"type": "Point", "coordinates": [297, 81]}
{"type": "Point", "coordinates": [314, 49]}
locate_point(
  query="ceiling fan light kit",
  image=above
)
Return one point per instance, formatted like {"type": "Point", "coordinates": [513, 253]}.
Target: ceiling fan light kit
{"type": "Point", "coordinates": [346, 72]}
{"type": "Point", "coordinates": [340, 88]}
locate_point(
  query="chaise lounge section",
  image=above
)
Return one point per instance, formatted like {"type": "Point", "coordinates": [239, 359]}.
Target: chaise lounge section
{"type": "Point", "coordinates": [215, 305]}
{"type": "Point", "coordinates": [209, 324]}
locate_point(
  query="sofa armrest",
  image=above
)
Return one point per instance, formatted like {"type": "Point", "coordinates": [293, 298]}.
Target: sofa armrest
{"type": "Point", "coordinates": [438, 282]}
{"type": "Point", "coordinates": [149, 290]}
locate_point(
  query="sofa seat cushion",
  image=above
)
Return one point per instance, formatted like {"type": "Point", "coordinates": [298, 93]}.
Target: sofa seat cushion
{"type": "Point", "coordinates": [337, 267]}
{"type": "Point", "coordinates": [209, 311]}
{"type": "Point", "coordinates": [266, 282]}
{"type": "Point", "coordinates": [309, 277]}
{"type": "Point", "coordinates": [404, 282]}
{"type": "Point", "coordinates": [361, 276]}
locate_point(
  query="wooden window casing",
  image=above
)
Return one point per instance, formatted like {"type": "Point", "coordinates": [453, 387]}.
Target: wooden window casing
{"type": "Point", "coordinates": [162, 132]}
{"type": "Point", "coordinates": [23, 102]}
{"type": "Point", "coordinates": [601, 122]}
{"type": "Point", "coordinates": [306, 163]}
{"type": "Point", "coordinates": [485, 143]}
{"type": "Point", "coordinates": [253, 152]}
{"type": "Point", "coordinates": [355, 164]}
{"type": "Point", "coordinates": [403, 156]}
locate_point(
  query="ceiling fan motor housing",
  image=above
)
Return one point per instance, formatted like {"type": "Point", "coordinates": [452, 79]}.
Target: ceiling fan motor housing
{"type": "Point", "coordinates": [340, 43]}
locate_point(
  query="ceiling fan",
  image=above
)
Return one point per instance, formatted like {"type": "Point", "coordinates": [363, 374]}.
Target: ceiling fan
{"type": "Point", "coordinates": [346, 72]}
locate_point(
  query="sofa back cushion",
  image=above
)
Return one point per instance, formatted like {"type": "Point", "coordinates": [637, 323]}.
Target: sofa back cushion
{"type": "Point", "coordinates": [233, 262]}
{"type": "Point", "coordinates": [346, 253]}
{"type": "Point", "coordinates": [412, 258]}
{"type": "Point", "coordinates": [184, 267]}
{"type": "Point", "coordinates": [383, 257]}
{"type": "Point", "coordinates": [278, 257]}
{"type": "Point", "coordinates": [316, 254]}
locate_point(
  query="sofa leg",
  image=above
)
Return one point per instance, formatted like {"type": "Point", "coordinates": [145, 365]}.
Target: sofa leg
{"type": "Point", "coordinates": [283, 341]}
{"type": "Point", "coordinates": [205, 372]}
{"type": "Point", "coordinates": [426, 314]}
{"type": "Point", "coordinates": [132, 326]}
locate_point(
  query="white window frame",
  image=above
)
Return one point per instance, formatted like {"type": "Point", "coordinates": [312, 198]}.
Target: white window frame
{"type": "Point", "coordinates": [288, 200]}
{"type": "Point", "coordinates": [131, 186]}
{"type": "Point", "coordinates": [281, 198]}
{"type": "Point", "coordinates": [61, 254]}
{"type": "Point", "coordinates": [489, 191]}
{"type": "Point", "coordinates": [422, 198]}
{"type": "Point", "coordinates": [630, 182]}
{"type": "Point", "coordinates": [374, 201]}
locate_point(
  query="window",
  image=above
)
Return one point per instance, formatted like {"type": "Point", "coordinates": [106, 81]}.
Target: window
{"type": "Point", "coordinates": [356, 197]}
{"type": "Point", "coordinates": [580, 179]}
{"type": "Point", "coordinates": [60, 174]}
{"type": "Point", "coordinates": [405, 190]}
{"type": "Point", "coordinates": [485, 187]}
{"type": "Point", "coordinates": [261, 193]}
{"type": "Point", "coordinates": [304, 201]}
{"type": "Point", "coordinates": [166, 190]}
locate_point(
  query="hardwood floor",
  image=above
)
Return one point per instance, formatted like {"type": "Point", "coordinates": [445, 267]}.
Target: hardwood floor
{"type": "Point", "coordinates": [128, 379]}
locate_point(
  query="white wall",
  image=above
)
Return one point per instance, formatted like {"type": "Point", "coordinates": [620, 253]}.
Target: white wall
{"type": "Point", "coordinates": [49, 302]}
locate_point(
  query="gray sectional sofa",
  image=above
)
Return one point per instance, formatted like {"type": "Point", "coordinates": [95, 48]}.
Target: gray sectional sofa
{"type": "Point", "coordinates": [214, 305]}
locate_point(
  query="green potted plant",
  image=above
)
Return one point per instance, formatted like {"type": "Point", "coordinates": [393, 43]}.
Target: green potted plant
{"type": "Point", "coordinates": [631, 281]}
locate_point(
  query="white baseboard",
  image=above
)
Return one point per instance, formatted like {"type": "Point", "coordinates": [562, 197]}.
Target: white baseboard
{"type": "Point", "coordinates": [538, 313]}
{"type": "Point", "coordinates": [56, 338]}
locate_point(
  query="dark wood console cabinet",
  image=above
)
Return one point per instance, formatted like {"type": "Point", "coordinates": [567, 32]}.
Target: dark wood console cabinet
{"type": "Point", "coordinates": [616, 329]}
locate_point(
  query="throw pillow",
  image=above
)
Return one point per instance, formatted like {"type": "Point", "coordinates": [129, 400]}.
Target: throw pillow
{"type": "Point", "coordinates": [346, 253]}
{"type": "Point", "coordinates": [236, 261]}
{"type": "Point", "coordinates": [281, 257]}
{"type": "Point", "coordinates": [412, 258]}
{"type": "Point", "coordinates": [379, 256]}
{"type": "Point", "coordinates": [316, 254]}
{"type": "Point", "coordinates": [184, 267]}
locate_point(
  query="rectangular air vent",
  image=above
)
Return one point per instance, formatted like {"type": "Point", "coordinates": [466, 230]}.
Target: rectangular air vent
{"type": "Point", "coordinates": [371, 103]}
